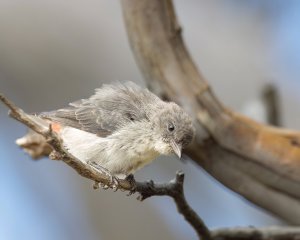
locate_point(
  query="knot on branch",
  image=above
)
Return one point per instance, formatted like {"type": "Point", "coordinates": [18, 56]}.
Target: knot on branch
{"type": "Point", "coordinates": [172, 188]}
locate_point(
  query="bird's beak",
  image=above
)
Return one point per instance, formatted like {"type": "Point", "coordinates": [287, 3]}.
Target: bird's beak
{"type": "Point", "coordinates": [177, 148]}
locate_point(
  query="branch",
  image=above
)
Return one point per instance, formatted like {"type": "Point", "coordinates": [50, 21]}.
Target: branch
{"type": "Point", "coordinates": [250, 233]}
{"type": "Point", "coordinates": [59, 151]}
{"type": "Point", "coordinates": [259, 162]}
{"type": "Point", "coordinates": [270, 97]}
{"type": "Point", "coordinates": [173, 189]}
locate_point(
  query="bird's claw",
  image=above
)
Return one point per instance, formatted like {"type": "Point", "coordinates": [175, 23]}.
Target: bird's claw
{"type": "Point", "coordinates": [130, 193]}
{"type": "Point", "coordinates": [130, 178]}
{"type": "Point", "coordinates": [96, 185]}
{"type": "Point", "coordinates": [113, 181]}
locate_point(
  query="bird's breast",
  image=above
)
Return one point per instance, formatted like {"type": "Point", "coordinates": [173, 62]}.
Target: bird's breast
{"type": "Point", "coordinates": [141, 159]}
{"type": "Point", "coordinates": [120, 154]}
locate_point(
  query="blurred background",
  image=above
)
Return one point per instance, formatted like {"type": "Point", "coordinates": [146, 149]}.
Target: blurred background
{"type": "Point", "coordinates": [53, 52]}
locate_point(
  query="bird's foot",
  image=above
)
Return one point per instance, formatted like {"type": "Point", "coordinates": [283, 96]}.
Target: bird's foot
{"type": "Point", "coordinates": [130, 178]}
{"type": "Point", "coordinates": [113, 181]}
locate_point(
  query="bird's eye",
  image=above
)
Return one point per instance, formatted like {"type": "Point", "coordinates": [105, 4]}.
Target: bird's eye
{"type": "Point", "coordinates": [171, 127]}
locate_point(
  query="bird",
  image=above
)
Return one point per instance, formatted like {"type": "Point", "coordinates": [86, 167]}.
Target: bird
{"type": "Point", "coordinates": [121, 128]}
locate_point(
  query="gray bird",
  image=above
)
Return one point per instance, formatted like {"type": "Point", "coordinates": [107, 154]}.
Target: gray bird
{"type": "Point", "coordinates": [121, 128]}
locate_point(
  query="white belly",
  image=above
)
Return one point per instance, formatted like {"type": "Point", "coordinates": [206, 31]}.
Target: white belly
{"type": "Point", "coordinates": [110, 153]}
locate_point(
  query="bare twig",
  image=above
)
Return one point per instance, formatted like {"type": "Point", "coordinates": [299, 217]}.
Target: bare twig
{"type": "Point", "coordinates": [270, 97]}
{"type": "Point", "coordinates": [60, 152]}
{"type": "Point", "coordinates": [251, 233]}
{"type": "Point", "coordinates": [173, 189]}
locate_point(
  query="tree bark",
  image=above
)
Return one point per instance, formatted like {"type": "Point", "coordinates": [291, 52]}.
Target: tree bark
{"type": "Point", "coordinates": [259, 162]}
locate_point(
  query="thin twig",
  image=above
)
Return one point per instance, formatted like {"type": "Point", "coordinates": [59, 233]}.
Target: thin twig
{"type": "Point", "coordinates": [270, 97]}
{"type": "Point", "coordinates": [251, 233]}
{"type": "Point", "coordinates": [173, 189]}
{"type": "Point", "coordinates": [60, 152]}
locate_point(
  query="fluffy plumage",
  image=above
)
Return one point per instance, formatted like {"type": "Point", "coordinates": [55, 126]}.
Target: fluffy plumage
{"type": "Point", "coordinates": [122, 127]}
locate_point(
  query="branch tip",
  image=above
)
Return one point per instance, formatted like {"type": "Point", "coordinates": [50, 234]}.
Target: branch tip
{"type": "Point", "coordinates": [179, 177]}
{"type": "Point", "coordinates": [8, 103]}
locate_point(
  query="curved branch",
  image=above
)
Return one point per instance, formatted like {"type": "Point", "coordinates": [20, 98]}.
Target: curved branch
{"type": "Point", "coordinates": [246, 156]}
{"type": "Point", "coordinates": [174, 189]}
{"type": "Point", "coordinates": [270, 98]}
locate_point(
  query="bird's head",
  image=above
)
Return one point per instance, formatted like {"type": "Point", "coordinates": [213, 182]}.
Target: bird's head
{"type": "Point", "coordinates": [174, 128]}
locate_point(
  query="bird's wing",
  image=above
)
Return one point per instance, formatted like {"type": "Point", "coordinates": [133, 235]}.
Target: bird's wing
{"type": "Point", "coordinates": [109, 109]}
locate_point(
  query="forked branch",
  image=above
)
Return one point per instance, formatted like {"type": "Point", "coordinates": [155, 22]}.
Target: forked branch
{"type": "Point", "coordinates": [174, 189]}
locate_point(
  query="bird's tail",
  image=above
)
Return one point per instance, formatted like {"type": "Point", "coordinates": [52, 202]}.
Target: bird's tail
{"type": "Point", "coordinates": [33, 143]}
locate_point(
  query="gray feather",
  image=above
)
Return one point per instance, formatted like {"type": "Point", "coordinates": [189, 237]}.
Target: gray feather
{"type": "Point", "coordinates": [109, 109]}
